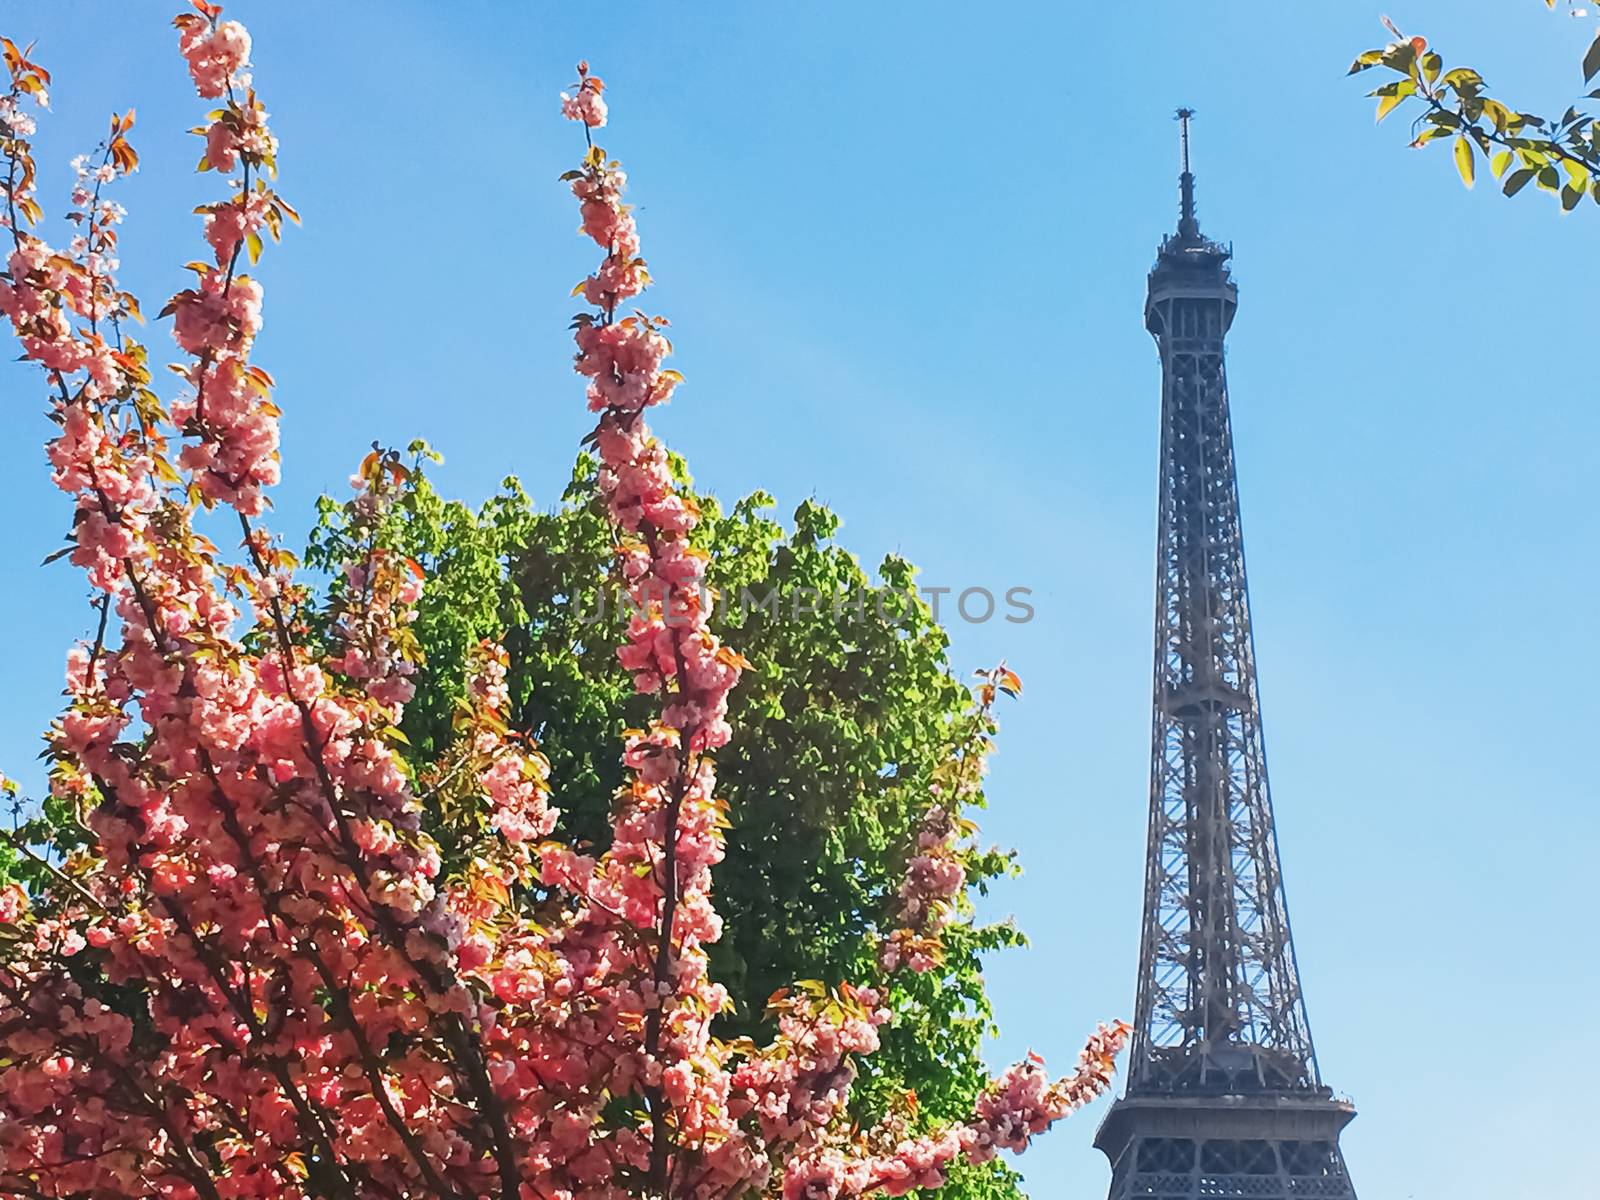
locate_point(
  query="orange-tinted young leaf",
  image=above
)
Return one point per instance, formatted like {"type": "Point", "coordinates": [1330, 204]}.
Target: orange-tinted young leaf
{"type": "Point", "coordinates": [732, 658]}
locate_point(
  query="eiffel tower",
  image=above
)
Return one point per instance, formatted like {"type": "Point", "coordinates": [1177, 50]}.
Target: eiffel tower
{"type": "Point", "coordinates": [1224, 1098]}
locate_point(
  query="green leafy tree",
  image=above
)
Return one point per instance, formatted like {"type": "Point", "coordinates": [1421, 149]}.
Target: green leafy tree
{"type": "Point", "coordinates": [1560, 156]}
{"type": "Point", "coordinates": [844, 720]}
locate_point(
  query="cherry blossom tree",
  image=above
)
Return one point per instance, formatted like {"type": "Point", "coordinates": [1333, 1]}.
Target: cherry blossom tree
{"type": "Point", "coordinates": [253, 976]}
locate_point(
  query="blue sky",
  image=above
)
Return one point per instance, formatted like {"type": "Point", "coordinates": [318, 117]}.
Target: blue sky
{"type": "Point", "coordinates": [904, 248]}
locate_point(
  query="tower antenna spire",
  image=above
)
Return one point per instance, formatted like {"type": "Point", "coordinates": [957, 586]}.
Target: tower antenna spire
{"type": "Point", "coordinates": [1188, 223]}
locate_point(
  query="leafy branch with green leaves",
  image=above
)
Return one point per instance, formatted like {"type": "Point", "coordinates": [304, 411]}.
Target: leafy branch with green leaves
{"type": "Point", "coordinates": [1560, 156]}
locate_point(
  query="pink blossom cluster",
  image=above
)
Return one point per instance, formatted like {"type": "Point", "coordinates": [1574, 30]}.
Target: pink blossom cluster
{"type": "Point", "coordinates": [1022, 1102]}
{"type": "Point", "coordinates": [96, 245]}
{"type": "Point", "coordinates": [935, 876]}
{"type": "Point", "coordinates": [229, 224]}
{"type": "Point", "coordinates": [13, 903]}
{"type": "Point", "coordinates": [55, 303]}
{"type": "Point", "coordinates": [805, 1088]}
{"type": "Point", "coordinates": [236, 456]}
{"type": "Point", "coordinates": [216, 51]}
{"type": "Point", "coordinates": [936, 873]}
{"type": "Point", "coordinates": [377, 599]}
{"type": "Point", "coordinates": [932, 890]}
{"type": "Point", "coordinates": [235, 452]}
{"type": "Point", "coordinates": [239, 136]}
{"type": "Point", "coordinates": [16, 120]}
{"type": "Point", "coordinates": [239, 131]}
{"type": "Point", "coordinates": [513, 778]}
{"type": "Point", "coordinates": [584, 102]}
{"type": "Point", "coordinates": [669, 642]}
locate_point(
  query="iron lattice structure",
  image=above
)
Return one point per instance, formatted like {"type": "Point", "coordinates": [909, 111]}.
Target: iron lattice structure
{"type": "Point", "coordinates": [1224, 1098]}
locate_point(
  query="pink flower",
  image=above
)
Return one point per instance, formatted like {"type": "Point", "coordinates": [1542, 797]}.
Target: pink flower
{"type": "Point", "coordinates": [587, 105]}
{"type": "Point", "coordinates": [13, 903]}
{"type": "Point", "coordinates": [218, 317]}
{"type": "Point", "coordinates": [222, 149]}
{"type": "Point", "coordinates": [215, 54]}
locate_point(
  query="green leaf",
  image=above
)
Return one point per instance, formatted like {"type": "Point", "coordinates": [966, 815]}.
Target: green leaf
{"type": "Point", "coordinates": [1391, 100]}
{"type": "Point", "coordinates": [1401, 57]}
{"type": "Point", "coordinates": [1571, 197]}
{"type": "Point", "coordinates": [1518, 180]}
{"type": "Point", "coordinates": [1369, 59]}
{"type": "Point", "coordinates": [1464, 162]}
{"type": "Point", "coordinates": [1591, 60]}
